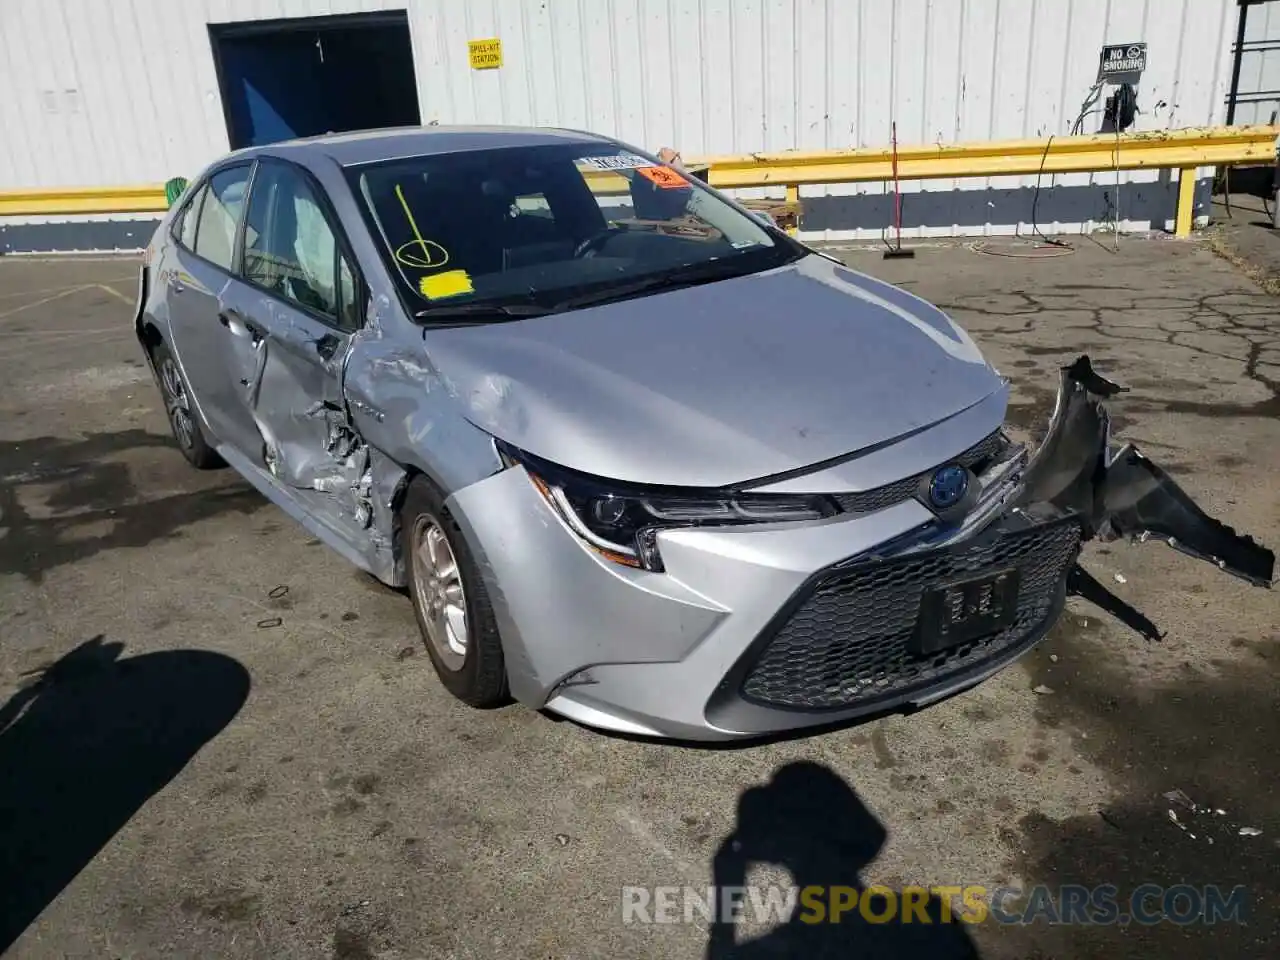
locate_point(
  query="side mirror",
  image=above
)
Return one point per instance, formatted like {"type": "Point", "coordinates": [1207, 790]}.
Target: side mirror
{"type": "Point", "coordinates": [765, 217]}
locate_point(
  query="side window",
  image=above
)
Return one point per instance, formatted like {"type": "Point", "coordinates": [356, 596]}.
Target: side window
{"type": "Point", "coordinates": [185, 228]}
{"type": "Point", "coordinates": [220, 215]}
{"type": "Point", "coordinates": [291, 249]}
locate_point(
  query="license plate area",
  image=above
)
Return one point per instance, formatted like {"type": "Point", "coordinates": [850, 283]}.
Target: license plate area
{"type": "Point", "coordinates": [963, 610]}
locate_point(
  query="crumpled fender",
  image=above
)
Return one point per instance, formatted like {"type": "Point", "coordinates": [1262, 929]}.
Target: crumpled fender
{"type": "Point", "coordinates": [1117, 492]}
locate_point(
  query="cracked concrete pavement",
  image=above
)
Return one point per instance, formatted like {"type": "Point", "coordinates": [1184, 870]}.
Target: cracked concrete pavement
{"type": "Point", "coordinates": [248, 755]}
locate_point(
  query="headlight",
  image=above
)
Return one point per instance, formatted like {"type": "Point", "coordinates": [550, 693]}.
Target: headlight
{"type": "Point", "coordinates": [621, 521]}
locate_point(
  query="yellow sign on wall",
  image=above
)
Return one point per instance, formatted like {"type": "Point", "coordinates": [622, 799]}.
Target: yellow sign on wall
{"type": "Point", "coordinates": [485, 54]}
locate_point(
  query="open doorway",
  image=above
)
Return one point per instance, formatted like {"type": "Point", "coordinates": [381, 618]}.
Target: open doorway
{"type": "Point", "coordinates": [282, 79]}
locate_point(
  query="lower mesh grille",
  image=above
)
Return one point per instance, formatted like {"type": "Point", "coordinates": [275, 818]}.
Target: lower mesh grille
{"type": "Point", "coordinates": [848, 642]}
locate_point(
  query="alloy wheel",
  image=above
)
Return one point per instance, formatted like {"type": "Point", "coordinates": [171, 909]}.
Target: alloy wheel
{"type": "Point", "coordinates": [437, 585]}
{"type": "Point", "coordinates": [176, 403]}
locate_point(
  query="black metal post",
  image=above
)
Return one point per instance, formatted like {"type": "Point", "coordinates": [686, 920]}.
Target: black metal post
{"type": "Point", "coordinates": [1235, 66]}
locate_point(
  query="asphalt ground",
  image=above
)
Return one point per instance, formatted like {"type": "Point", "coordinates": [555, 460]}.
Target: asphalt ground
{"type": "Point", "coordinates": [218, 739]}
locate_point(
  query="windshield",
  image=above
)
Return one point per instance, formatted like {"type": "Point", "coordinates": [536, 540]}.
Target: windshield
{"type": "Point", "coordinates": [553, 227]}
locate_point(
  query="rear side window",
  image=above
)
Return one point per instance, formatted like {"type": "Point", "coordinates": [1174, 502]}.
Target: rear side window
{"type": "Point", "coordinates": [219, 217]}
{"type": "Point", "coordinates": [185, 227]}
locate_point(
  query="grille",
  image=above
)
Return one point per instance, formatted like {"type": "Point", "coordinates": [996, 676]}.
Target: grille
{"type": "Point", "coordinates": [848, 641]}
{"type": "Point", "coordinates": [879, 498]}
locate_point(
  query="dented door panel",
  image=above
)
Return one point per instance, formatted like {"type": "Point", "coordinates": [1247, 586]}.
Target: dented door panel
{"type": "Point", "coordinates": [293, 391]}
{"type": "Point", "coordinates": [292, 320]}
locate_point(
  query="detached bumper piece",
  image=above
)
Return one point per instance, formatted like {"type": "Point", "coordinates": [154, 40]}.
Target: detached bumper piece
{"type": "Point", "coordinates": [1117, 492]}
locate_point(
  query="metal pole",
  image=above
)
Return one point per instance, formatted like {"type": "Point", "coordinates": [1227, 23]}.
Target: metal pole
{"type": "Point", "coordinates": [1235, 66]}
{"type": "Point", "coordinates": [897, 194]}
{"type": "Point", "coordinates": [896, 250]}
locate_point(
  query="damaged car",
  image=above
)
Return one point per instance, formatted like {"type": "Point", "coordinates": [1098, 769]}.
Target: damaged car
{"type": "Point", "coordinates": [638, 458]}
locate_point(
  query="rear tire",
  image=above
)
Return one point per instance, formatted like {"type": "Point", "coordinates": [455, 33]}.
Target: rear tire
{"type": "Point", "coordinates": [450, 601]}
{"type": "Point", "coordinates": [181, 413]}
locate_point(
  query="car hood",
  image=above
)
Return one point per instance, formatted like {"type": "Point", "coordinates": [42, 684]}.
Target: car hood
{"type": "Point", "coordinates": [721, 383]}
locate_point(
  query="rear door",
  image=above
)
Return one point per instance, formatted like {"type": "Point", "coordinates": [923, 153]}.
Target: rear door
{"type": "Point", "coordinates": [170, 276]}
{"type": "Point", "coordinates": [198, 281]}
{"type": "Point", "coordinates": [291, 312]}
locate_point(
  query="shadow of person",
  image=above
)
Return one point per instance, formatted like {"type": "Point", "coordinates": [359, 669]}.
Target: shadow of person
{"type": "Point", "coordinates": [84, 746]}
{"type": "Point", "coordinates": [811, 822]}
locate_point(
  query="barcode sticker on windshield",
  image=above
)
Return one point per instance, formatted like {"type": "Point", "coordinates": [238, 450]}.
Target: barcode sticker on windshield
{"type": "Point", "coordinates": [621, 161]}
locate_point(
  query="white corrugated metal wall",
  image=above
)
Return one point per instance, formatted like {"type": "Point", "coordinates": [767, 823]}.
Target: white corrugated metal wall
{"type": "Point", "coordinates": [124, 91]}
{"type": "Point", "coordinates": [1258, 93]}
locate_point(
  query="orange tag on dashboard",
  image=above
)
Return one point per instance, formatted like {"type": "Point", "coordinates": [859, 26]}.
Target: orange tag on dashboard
{"type": "Point", "coordinates": [664, 177]}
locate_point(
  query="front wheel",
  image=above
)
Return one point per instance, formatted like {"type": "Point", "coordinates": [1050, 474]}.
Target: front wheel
{"type": "Point", "coordinates": [450, 601]}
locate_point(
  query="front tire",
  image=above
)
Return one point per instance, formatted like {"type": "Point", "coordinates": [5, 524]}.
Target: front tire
{"type": "Point", "coordinates": [181, 412]}
{"type": "Point", "coordinates": [450, 601]}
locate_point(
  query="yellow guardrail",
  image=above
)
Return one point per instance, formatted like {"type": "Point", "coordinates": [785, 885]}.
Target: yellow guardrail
{"type": "Point", "coordinates": [1182, 150]}
{"type": "Point", "coordinates": [59, 201]}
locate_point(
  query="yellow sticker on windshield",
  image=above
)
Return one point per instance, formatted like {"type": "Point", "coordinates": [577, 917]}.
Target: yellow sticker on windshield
{"type": "Point", "coordinates": [451, 283]}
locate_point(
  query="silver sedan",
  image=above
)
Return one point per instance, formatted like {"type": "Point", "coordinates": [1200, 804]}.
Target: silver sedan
{"type": "Point", "coordinates": [638, 457]}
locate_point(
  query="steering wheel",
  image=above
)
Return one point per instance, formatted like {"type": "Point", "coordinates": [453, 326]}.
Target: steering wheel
{"type": "Point", "coordinates": [593, 243]}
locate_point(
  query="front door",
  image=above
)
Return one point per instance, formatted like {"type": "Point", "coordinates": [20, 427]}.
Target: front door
{"type": "Point", "coordinates": [291, 315]}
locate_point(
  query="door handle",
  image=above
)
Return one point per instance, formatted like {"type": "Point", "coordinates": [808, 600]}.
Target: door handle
{"type": "Point", "coordinates": [327, 346]}
{"type": "Point", "coordinates": [241, 326]}
{"type": "Point", "coordinates": [176, 285]}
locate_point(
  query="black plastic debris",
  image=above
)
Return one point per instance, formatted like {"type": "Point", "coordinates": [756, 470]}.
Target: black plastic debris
{"type": "Point", "coordinates": [1118, 492]}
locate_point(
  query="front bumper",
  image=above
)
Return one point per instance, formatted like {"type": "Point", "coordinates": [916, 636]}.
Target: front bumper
{"type": "Point", "coordinates": [635, 651]}
{"type": "Point", "coordinates": [766, 629]}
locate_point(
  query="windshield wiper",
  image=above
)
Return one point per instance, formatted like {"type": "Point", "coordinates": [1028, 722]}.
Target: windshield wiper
{"type": "Point", "coordinates": [686, 276]}
{"type": "Point", "coordinates": [480, 312]}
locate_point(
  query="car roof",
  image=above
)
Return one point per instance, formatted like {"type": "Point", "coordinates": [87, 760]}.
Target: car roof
{"type": "Point", "coordinates": [371, 146]}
